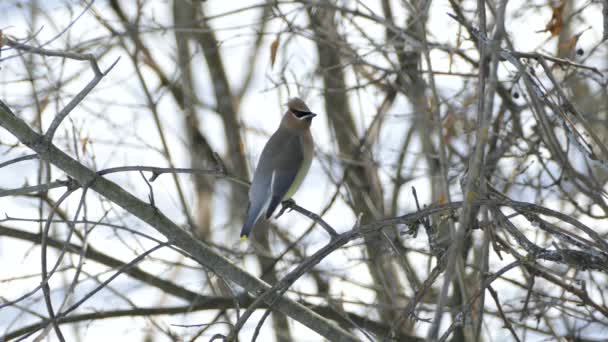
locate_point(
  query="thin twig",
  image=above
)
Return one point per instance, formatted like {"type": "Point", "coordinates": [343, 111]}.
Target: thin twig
{"type": "Point", "coordinates": [19, 159]}
{"type": "Point", "coordinates": [316, 218]}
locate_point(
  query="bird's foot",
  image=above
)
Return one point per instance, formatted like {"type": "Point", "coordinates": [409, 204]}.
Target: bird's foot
{"type": "Point", "coordinates": [287, 204]}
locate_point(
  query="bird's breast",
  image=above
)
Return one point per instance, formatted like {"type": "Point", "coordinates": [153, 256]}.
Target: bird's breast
{"type": "Point", "coordinates": [308, 149]}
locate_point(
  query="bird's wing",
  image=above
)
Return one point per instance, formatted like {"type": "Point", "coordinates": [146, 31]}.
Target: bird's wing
{"type": "Point", "coordinates": [287, 163]}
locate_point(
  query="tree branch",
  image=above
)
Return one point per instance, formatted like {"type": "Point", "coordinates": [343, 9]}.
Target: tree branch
{"type": "Point", "coordinates": [176, 235]}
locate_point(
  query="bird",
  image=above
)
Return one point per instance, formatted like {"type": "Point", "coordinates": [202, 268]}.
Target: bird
{"type": "Point", "coordinates": [283, 164]}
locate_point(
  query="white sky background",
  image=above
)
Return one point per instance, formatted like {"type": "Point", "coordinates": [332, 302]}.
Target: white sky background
{"type": "Point", "coordinates": [121, 132]}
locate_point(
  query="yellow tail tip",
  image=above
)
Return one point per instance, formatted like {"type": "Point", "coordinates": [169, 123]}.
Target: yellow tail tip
{"type": "Point", "coordinates": [244, 238]}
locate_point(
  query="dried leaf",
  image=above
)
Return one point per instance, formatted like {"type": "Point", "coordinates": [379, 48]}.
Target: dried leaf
{"type": "Point", "coordinates": [569, 44]}
{"type": "Point", "coordinates": [43, 103]}
{"type": "Point", "coordinates": [448, 127]}
{"type": "Point", "coordinates": [274, 47]}
{"type": "Point", "coordinates": [84, 141]}
{"type": "Point", "coordinates": [555, 25]}
{"type": "Point", "coordinates": [442, 198]}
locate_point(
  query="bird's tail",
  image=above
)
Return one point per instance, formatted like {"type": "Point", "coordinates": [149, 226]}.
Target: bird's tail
{"type": "Point", "coordinates": [253, 214]}
{"type": "Point", "coordinates": [247, 227]}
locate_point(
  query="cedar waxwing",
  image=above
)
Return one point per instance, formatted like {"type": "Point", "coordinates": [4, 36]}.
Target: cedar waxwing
{"type": "Point", "coordinates": [284, 163]}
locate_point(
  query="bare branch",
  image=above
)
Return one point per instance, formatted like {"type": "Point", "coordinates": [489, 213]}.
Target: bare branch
{"type": "Point", "coordinates": [180, 238]}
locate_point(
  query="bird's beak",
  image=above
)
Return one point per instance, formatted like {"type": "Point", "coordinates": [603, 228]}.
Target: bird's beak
{"type": "Point", "coordinates": [311, 115]}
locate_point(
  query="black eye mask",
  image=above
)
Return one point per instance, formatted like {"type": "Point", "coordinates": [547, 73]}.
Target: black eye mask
{"type": "Point", "coordinates": [299, 113]}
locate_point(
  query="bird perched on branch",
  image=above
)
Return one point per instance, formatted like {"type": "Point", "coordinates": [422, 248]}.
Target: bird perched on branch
{"type": "Point", "coordinates": [284, 163]}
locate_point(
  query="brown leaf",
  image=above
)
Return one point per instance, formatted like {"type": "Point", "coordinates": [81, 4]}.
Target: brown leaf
{"type": "Point", "coordinates": [448, 127]}
{"type": "Point", "coordinates": [555, 25]}
{"type": "Point", "coordinates": [442, 199]}
{"type": "Point", "coordinates": [570, 44]}
{"type": "Point", "coordinates": [84, 141]}
{"type": "Point", "coordinates": [274, 47]}
{"type": "Point", "coordinates": [43, 103]}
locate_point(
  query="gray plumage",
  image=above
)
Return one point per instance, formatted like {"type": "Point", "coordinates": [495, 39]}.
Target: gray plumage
{"type": "Point", "coordinates": [284, 163]}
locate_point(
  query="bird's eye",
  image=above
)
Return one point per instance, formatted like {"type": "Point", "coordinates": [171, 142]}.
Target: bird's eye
{"type": "Point", "coordinates": [299, 113]}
